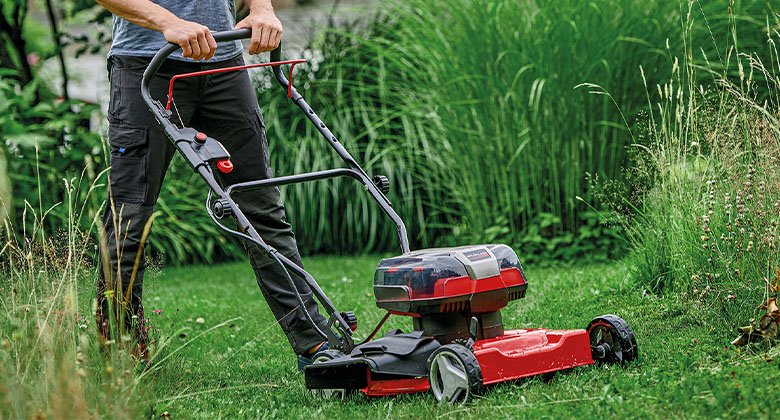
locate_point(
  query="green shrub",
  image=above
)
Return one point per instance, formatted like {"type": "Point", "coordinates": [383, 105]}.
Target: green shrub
{"type": "Point", "coordinates": [48, 147]}
{"type": "Point", "coordinates": [46, 144]}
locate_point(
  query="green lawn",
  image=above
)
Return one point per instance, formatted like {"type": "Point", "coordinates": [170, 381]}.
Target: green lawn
{"type": "Point", "coordinates": [246, 369]}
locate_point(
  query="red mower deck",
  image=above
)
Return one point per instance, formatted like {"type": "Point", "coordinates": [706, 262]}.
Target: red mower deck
{"type": "Point", "coordinates": [522, 353]}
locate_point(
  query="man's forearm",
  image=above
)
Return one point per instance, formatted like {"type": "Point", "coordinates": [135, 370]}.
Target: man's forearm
{"type": "Point", "coordinates": [259, 5]}
{"type": "Point", "coordinates": [195, 40]}
{"type": "Point", "coordinates": [144, 12]}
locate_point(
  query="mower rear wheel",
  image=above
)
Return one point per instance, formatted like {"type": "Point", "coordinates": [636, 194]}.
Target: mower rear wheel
{"type": "Point", "coordinates": [339, 394]}
{"type": "Point", "coordinates": [611, 340]}
{"type": "Point", "coordinates": [454, 374]}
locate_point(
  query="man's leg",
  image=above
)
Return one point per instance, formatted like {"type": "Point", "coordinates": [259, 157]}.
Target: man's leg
{"type": "Point", "coordinates": [228, 111]}
{"type": "Point", "coordinates": [140, 154]}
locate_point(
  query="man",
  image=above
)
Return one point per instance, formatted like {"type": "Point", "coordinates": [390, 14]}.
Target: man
{"type": "Point", "coordinates": [223, 105]}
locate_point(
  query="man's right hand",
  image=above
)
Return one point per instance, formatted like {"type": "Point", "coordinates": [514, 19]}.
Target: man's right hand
{"type": "Point", "coordinates": [195, 40]}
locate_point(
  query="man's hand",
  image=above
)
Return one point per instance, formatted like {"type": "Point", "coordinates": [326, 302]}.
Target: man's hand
{"type": "Point", "coordinates": [266, 28]}
{"type": "Point", "coordinates": [194, 39]}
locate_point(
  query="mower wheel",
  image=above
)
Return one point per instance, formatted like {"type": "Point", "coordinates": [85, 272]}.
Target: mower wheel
{"type": "Point", "coordinates": [611, 340]}
{"type": "Point", "coordinates": [454, 374]}
{"type": "Point", "coordinates": [339, 394]}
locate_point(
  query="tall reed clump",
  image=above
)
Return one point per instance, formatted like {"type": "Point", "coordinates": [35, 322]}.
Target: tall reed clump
{"type": "Point", "coordinates": [50, 363]}
{"type": "Point", "coordinates": [471, 107]}
{"type": "Point", "coordinates": [362, 95]}
{"type": "Point", "coordinates": [706, 189]}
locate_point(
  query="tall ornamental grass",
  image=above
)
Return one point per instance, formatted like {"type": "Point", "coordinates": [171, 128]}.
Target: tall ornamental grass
{"type": "Point", "coordinates": [475, 110]}
{"type": "Point", "coordinates": [703, 218]}
{"type": "Point", "coordinates": [50, 363]}
{"type": "Point", "coordinates": [471, 107]}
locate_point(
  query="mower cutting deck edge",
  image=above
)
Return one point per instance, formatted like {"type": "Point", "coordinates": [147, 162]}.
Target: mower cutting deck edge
{"type": "Point", "coordinates": [454, 295]}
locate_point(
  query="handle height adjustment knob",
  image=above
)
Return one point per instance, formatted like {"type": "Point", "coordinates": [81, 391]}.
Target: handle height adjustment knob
{"type": "Point", "coordinates": [351, 319]}
{"type": "Point", "coordinates": [225, 166]}
{"type": "Point", "coordinates": [382, 183]}
{"type": "Point", "coordinates": [222, 208]}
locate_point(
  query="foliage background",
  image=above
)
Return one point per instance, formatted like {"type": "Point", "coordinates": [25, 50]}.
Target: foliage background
{"type": "Point", "coordinates": [427, 94]}
{"type": "Point", "coordinates": [472, 109]}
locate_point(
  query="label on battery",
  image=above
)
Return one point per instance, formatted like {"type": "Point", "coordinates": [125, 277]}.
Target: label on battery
{"type": "Point", "coordinates": [477, 255]}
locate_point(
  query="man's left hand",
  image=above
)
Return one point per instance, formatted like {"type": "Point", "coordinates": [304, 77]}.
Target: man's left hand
{"type": "Point", "coordinates": [266, 30]}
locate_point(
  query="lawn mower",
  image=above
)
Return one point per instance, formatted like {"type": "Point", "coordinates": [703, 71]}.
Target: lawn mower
{"type": "Point", "coordinates": [454, 295]}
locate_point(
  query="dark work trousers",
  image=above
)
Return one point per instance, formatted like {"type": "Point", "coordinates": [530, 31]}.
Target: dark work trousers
{"type": "Point", "coordinates": [224, 106]}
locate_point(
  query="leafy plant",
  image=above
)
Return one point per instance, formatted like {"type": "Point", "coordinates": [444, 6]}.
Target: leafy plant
{"type": "Point", "coordinates": [44, 143]}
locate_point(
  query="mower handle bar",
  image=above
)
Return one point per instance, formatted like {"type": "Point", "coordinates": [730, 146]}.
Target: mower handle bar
{"type": "Point", "coordinates": [180, 137]}
{"type": "Point", "coordinates": [224, 36]}
{"type": "Point", "coordinates": [170, 48]}
{"type": "Point", "coordinates": [162, 115]}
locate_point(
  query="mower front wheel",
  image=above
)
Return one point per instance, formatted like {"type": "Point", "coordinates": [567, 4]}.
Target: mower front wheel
{"type": "Point", "coordinates": [339, 394]}
{"type": "Point", "coordinates": [611, 340]}
{"type": "Point", "coordinates": [454, 374]}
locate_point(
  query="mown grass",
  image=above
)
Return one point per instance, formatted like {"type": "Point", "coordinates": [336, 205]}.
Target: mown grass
{"type": "Point", "coordinates": [236, 363]}
{"type": "Point", "coordinates": [219, 354]}
{"type": "Point", "coordinates": [245, 369]}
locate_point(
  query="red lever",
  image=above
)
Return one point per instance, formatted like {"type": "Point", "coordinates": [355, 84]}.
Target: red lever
{"type": "Point", "coordinates": [225, 166]}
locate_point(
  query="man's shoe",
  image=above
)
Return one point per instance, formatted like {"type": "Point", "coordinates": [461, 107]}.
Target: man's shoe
{"type": "Point", "coordinates": [304, 361]}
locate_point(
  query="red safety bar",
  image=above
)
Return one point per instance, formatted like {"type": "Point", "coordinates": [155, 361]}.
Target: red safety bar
{"type": "Point", "coordinates": [292, 64]}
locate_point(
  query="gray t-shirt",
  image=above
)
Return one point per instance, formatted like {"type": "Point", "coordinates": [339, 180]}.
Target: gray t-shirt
{"type": "Point", "coordinates": [217, 15]}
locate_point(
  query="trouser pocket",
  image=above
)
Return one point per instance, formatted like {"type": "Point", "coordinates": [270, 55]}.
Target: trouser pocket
{"type": "Point", "coordinates": [129, 147]}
